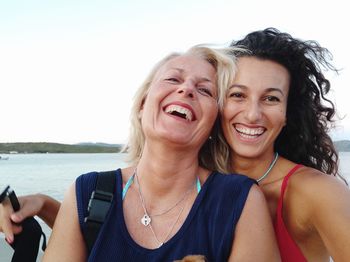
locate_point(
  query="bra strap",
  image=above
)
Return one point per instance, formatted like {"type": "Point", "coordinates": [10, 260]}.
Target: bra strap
{"type": "Point", "coordinates": [131, 180]}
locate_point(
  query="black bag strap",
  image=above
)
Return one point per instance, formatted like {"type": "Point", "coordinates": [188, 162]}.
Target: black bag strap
{"type": "Point", "coordinates": [99, 205]}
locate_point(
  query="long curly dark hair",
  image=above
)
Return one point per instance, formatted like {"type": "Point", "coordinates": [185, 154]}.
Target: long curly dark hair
{"type": "Point", "coordinates": [310, 114]}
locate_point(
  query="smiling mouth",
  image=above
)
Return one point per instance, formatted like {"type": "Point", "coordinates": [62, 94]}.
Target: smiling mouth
{"type": "Point", "coordinates": [180, 111]}
{"type": "Point", "coordinates": [249, 132]}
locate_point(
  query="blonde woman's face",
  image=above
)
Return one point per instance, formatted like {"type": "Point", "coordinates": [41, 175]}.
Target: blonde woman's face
{"type": "Point", "coordinates": [181, 105]}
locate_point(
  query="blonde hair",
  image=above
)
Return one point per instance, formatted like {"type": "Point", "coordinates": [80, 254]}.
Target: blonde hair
{"type": "Point", "coordinates": [223, 61]}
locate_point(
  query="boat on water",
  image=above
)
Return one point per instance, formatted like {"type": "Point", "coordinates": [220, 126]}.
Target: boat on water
{"type": "Point", "coordinates": [4, 158]}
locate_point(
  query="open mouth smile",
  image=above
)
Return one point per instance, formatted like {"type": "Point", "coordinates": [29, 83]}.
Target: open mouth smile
{"type": "Point", "coordinates": [180, 111]}
{"type": "Point", "coordinates": [249, 132]}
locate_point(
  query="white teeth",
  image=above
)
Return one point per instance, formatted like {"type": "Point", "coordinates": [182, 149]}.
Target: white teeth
{"type": "Point", "coordinates": [248, 132]}
{"type": "Point", "coordinates": [181, 110]}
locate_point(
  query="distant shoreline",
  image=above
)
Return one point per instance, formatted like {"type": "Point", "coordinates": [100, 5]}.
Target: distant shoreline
{"type": "Point", "coordinates": [342, 145]}
{"type": "Point", "coordinates": [43, 147]}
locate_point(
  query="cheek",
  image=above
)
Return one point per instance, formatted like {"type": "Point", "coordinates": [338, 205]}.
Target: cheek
{"type": "Point", "coordinates": [214, 107]}
{"type": "Point", "coordinates": [211, 114]}
{"type": "Point", "coordinates": [279, 117]}
{"type": "Point", "coordinates": [148, 109]}
{"type": "Point", "coordinates": [227, 113]}
{"type": "Point", "coordinates": [225, 117]}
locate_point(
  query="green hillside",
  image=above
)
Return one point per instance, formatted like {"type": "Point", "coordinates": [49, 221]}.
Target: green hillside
{"type": "Point", "coordinates": [6, 148]}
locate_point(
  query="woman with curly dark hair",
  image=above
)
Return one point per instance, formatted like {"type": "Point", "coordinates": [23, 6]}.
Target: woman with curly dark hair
{"type": "Point", "coordinates": [275, 123]}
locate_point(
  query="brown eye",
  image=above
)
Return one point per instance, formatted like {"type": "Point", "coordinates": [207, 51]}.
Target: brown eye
{"type": "Point", "coordinates": [236, 95]}
{"type": "Point", "coordinates": [272, 99]}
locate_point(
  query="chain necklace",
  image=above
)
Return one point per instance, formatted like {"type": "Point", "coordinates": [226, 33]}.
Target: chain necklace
{"type": "Point", "coordinates": [269, 169]}
{"type": "Point", "coordinates": [146, 218]}
{"type": "Point", "coordinates": [175, 205]}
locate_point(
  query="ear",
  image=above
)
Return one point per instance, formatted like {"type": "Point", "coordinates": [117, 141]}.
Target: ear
{"type": "Point", "coordinates": [141, 109]}
{"type": "Point", "coordinates": [140, 113]}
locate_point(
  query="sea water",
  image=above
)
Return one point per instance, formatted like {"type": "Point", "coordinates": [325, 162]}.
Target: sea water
{"type": "Point", "coordinates": [52, 174]}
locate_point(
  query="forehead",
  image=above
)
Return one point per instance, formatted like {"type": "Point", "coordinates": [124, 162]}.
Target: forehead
{"type": "Point", "coordinates": [255, 71]}
{"type": "Point", "coordinates": [190, 65]}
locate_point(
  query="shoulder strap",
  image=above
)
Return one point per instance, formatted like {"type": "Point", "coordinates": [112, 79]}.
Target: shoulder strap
{"type": "Point", "coordinates": [284, 186]}
{"type": "Point", "coordinates": [99, 205]}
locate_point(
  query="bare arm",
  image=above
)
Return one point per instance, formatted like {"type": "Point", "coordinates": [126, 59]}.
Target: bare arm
{"type": "Point", "coordinates": [66, 242]}
{"type": "Point", "coordinates": [49, 209]}
{"type": "Point", "coordinates": [254, 237]}
{"type": "Point", "coordinates": [331, 215]}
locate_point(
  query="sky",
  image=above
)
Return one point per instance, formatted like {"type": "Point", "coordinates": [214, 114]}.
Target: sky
{"type": "Point", "coordinates": [69, 68]}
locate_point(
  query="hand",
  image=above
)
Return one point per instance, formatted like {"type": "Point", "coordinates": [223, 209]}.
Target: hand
{"type": "Point", "coordinates": [6, 224]}
{"type": "Point", "coordinates": [9, 220]}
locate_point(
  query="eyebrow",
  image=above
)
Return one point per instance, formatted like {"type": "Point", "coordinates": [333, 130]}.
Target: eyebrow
{"type": "Point", "coordinates": [202, 79]}
{"type": "Point", "coordinates": [270, 89]}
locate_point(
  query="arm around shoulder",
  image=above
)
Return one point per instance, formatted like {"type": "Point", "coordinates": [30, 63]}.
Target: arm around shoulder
{"type": "Point", "coordinates": [254, 236]}
{"type": "Point", "coordinates": [50, 209]}
{"type": "Point", "coordinates": [66, 242]}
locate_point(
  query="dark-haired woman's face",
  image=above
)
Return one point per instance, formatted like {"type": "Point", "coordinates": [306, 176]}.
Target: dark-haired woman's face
{"type": "Point", "coordinates": [255, 109]}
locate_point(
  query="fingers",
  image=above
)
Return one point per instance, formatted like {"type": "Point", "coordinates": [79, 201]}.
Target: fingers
{"type": "Point", "coordinates": [10, 230]}
{"type": "Point", "coordinates": [19, 216]}
{"type": "Point", "coordinates": [6, 225]}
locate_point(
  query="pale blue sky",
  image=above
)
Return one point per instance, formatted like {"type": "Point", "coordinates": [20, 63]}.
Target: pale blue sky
{"type": "Point", "coordinates": [68, 68]}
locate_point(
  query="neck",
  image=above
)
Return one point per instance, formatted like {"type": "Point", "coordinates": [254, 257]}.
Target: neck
{"type": "Point", "coordinates": [162, 170]}
{"type": "Point", "coordinates": [255, 168]}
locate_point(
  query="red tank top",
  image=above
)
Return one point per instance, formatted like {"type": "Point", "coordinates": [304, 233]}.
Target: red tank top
{"type": "Point", "coordinates": [289, 250]}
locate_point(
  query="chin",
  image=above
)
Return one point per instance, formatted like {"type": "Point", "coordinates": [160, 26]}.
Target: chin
{"type": "Point", "coordinates": [246, 152]}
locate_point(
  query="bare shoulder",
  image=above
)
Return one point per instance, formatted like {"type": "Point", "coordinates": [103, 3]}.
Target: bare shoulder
{"type": "Point", "coordinates": [256, 202]}
{"type": "Point", "coordinates": [312, 184]}
{"type": "Point", "coordinates": [311, 193]}
{"type": "Point", "coordinates": [256, 195]}
{"type": "Point", "coordinates": [127, 172]}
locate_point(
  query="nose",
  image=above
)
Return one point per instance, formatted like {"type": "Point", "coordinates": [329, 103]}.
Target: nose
{"type": "Point", "coordinates": [187, 89]}
{"type": "Point", "coordinates": [253, 111]}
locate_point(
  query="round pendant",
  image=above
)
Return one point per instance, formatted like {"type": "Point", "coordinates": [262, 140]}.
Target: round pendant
{"type": "Point", "coordinates": [146, 220]}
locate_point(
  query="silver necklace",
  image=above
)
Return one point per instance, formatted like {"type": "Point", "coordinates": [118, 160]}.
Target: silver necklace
{"type": "Point", "coordinates": [146, 218]}
{"type": "Point", "coordinates": [175, 205]}
{"type": "Point", "coordinates": [269, 169]}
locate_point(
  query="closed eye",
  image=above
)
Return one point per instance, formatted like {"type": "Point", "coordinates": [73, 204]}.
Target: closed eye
{"type": "Point", "coordinates": [172, 79]}
{"type": "Point", "coordinates": [205, 91]}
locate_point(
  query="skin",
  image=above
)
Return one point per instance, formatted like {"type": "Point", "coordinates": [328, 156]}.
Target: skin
{"type": "Point", "coordinates": [168, 168]}
{"type": "Point", "coordinates": [316, 207]}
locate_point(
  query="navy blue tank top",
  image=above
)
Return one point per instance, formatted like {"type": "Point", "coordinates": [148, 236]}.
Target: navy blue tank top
{"type": "Point", "coordinates": [208, 229]}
